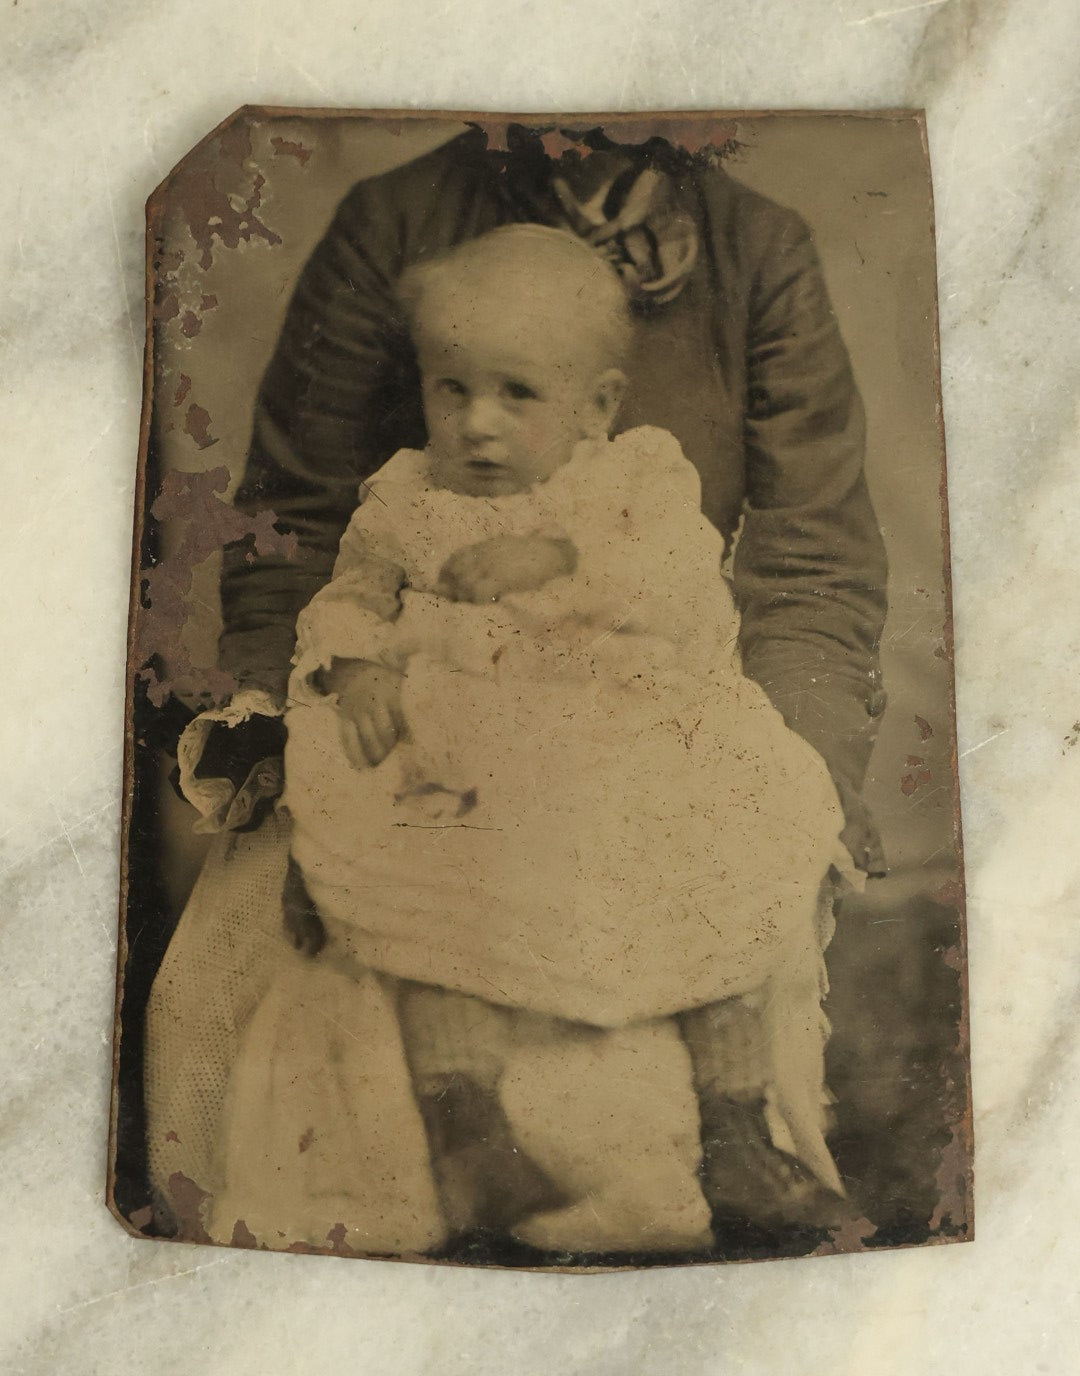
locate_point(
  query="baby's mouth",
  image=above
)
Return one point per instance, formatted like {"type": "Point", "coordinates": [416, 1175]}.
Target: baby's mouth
{"type": "Point", "coordinates": [484, 468]}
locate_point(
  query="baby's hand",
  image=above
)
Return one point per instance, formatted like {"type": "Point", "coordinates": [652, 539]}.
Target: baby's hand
{"type": "Point", "coordinates": [508, 563]}
{"type": "Point", "coordinates": [369, 702]}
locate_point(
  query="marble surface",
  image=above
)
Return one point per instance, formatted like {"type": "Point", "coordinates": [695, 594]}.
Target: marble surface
{"type": "Point", "coordinates": [99, 99]}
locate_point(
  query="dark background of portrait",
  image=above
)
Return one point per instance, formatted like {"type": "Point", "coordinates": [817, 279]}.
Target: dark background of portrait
{"type": "Point", "coordinates": [862, 184]}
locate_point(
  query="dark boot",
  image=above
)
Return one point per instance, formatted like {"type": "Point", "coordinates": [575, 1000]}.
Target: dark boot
{"type": "Point", "coordinates": [745, 1178]}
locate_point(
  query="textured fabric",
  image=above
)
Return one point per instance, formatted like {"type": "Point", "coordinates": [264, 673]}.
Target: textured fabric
{"type": "Point", "coordinates": [224, 955]}
{"type": "Point", "coordinates": [745, 366]}
{"type": "Point", "coordinates": [595, 815]}
{"type": "Point", "coordinates": [322, 1140]}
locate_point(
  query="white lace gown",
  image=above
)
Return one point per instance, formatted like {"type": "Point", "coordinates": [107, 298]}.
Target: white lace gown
{"type": "Point", "coordinates": [597, 815]}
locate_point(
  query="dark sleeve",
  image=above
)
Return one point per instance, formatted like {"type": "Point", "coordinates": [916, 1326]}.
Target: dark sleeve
{"type": "Point", "coordinates": [810, 568]}
{"type": "Point", "coordinates": [340, 396]}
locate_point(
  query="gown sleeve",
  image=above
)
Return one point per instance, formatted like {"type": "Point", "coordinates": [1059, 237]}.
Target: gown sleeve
{"type": "Point", "coordinates": [352, 616]}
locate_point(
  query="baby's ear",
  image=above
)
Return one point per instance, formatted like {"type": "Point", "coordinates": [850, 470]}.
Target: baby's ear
{"type": "Point", "coordinates": [610, 390]}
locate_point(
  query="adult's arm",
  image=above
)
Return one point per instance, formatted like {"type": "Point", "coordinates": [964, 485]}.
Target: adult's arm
{"type": "Point", "coordinates": [810, 567]}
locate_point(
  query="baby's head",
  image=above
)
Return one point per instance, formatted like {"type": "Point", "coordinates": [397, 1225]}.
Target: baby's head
{"type": "Point", "coordinates": [521, 335]}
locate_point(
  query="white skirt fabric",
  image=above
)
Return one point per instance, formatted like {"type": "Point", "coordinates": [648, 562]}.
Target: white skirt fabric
{"type": "Point", "coordinates": [603, 851]}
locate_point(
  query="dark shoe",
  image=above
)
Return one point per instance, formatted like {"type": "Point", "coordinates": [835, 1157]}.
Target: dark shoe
{"type": "Point", "coordinates": [744, 1177]}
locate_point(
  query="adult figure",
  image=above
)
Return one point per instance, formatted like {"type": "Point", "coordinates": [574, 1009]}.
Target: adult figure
{"type": "Point", "coordinates": [738, 354]}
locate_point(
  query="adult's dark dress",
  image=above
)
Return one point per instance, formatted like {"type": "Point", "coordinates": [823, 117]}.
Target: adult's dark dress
{"type": "Point", "coordinates": [738, 355]}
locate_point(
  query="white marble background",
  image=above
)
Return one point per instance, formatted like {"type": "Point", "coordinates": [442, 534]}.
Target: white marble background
{"type": "Point", "coordinates": [99, 98]}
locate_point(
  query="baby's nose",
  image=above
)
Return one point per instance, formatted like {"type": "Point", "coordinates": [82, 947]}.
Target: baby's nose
{"type": "Point", "coordinates": [481, 419]}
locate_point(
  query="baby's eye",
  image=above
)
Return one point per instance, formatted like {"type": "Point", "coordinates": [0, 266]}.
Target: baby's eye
{"type": "Point", "coordinates": [451, 385]}
{"type": "Point", "coordinates": [520, 391]}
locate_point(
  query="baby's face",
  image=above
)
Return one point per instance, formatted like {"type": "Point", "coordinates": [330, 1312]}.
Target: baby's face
{"type": "Point", "coordinates": [506, 401]}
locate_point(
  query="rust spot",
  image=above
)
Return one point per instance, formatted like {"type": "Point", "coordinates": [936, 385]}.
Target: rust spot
{"type": "Point", "coordinates": [142, 1218]}
{"type": "Point", "coordinates": [183, 388]}
{"type": "Point", "coordinates": [242, 1236]}
{"type": "Point", "coordinates": [205, 523]}
{"type": "Point", "coordinates": [705, 136]}
{"type": "Point", "coordinates": [949, 895]}
{"type": "Point", "coordinates": [197, 425]}
{"type": "Point", "coordinates": [171, 1136]}
{"type": "Point", "coordinates": [286, 148]}
{"type": "Point", "coordinates": [849, 1236]}
{"type": "Point", "coordinates": [555, 144]}
{"type": "Point", "coordinates": [915, 779]}
{"type": "Point", "coordinates": [187, 1201]}
{"type": "Point", "coordinates": [307, 1139]}
{"type": "Point", "coordinates": [207, 202]}
{"type": "Point", "coordinates": [168, 293]}
{"type": "Point", "coordinates": [925, 729]}
{"type": "Point", "coordinates": [952, 1215]}
{"type": "Point", "coordinates": [338, 1245]}
{"type": "Point", "coordinates": [702, 137]}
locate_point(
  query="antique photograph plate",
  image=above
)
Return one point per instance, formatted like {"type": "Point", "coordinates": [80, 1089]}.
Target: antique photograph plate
{"type": "Point", "coordinates": [541, 825]}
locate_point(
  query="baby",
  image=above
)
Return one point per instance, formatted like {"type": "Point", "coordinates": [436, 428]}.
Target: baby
{"type": "Point", "coordinates": [530, 788]}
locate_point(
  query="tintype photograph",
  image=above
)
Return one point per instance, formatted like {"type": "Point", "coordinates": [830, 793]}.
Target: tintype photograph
{"type": "Point", "coordinates": [542, 841]}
